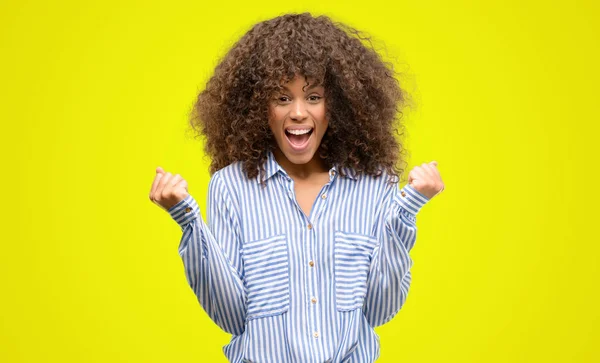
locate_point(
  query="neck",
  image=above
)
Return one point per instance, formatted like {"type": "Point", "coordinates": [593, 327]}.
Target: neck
{"type": "Point", "coordinates": [301, 171]}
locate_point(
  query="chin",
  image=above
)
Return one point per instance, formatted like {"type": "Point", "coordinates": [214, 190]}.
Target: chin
{"type": "Point", "coordinates": [299, 159]}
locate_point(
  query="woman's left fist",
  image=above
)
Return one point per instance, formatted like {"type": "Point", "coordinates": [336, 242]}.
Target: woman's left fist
{"type": "Point", "coordinates": [426, 179]}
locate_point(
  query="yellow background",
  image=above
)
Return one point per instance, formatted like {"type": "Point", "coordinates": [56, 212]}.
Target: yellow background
{"type": "Point", "coordinates": [95, 96]}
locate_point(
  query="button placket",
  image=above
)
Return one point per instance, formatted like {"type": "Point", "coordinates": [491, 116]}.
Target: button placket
{"type": "Point", "coordinates": [321, 201]}
{"type": "Point", "coordinates": [311, 283]}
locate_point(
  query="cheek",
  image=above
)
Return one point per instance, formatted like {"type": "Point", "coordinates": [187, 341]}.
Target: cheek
{"type": "Point", "coordinates": [324, 126]}
{"type": "Point", "coordinates": [321, 113]}
{"type": "Point", "coordinates": [275, 128]}
{"type": "Point", "coordinates": [276, 114]}
{"type": "Point", "coordinates": [323, 118]}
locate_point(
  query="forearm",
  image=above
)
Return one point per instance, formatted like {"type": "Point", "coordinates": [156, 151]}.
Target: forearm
{"type": "Point", "coordinates": [208, 270]}
{"type": "Point", "coordinates": [389, 276]}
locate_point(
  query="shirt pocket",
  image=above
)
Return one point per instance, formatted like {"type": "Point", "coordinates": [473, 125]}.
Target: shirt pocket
{"type": "Point", "coordinates": [266, 276]}
{"type": "Point", "coordinates": [352, 263]}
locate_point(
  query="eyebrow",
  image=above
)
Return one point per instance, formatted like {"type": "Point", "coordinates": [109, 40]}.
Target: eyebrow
{"type": "Point", "coordinates": [314, 85]}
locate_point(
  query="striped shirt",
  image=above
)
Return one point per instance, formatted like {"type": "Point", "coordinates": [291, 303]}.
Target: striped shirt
{"type": "Point", "coordinates": [292, 288]}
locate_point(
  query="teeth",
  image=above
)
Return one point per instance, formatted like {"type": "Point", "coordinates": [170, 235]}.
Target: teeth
{"type": "Point", "coordinates": [299, 132]}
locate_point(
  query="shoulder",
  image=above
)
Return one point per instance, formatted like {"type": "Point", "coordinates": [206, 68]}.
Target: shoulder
{"type": "Point", "coordinates": [383, 179]}
{"type": "Point", "coordinates": [379, 187]}
{"type": "Point", "coordinates": [231, 174]}
{"type": "Point", "coordinates": [230, 179]}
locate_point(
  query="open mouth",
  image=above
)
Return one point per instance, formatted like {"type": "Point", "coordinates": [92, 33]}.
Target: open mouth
{"type": "Point", "coordinates": [299, 137]}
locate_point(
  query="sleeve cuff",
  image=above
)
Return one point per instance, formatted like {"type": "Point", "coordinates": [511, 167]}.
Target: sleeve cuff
{"type": "Point", "coordinates": [184, 211]}
{"type": "Point", "coordinates": [410, 199]}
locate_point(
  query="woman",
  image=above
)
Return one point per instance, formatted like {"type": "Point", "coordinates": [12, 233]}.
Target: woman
{"type": "Point", "coordinates": [307, 244]}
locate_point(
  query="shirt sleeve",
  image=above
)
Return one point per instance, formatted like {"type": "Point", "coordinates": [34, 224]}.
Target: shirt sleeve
{"type": "Point", "coordinates": [389, 274]}
{"type": "Point", "coordinates": [210, 255]}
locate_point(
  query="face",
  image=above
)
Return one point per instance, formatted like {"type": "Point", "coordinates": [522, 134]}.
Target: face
{"type": "Point", "coordinates": [297, 119]}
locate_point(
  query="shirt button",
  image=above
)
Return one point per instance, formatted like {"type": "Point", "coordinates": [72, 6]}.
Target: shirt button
{"type": "Point", "coordinates": [314, 300]}
{"type": "Point", "coordinates": [311, 263]}
{"type": "Point", "coordinates": [403, 194]}
{"type": "Point", "coordinates": [324, 196]}
{"type": "Point", "coordinates": [316, 334]}
{"type": "Point", "coordinates": [309, 226]}
{"type": "Point", "coordinates": [188, 209]}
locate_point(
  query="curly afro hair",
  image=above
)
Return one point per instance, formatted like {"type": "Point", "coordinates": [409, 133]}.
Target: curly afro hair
{"type": "Point", "coordinates": [363, 97]}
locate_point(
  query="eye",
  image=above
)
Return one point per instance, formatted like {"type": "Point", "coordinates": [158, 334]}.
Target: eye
{"type": "Point", "coordinates": [314, 98]}
{"type": "Point", "coordinates": [282, 99]}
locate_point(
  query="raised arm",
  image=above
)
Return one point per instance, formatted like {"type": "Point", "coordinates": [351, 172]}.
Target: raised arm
{"type": "Point", "coordinates": [389, 274]}
{"type": "Point", "coordinates": [210, 255]}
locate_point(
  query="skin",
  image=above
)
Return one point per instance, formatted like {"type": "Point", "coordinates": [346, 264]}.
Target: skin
{"type": "Point", "coordinates": [426, 179]}
{"type": "Point", "coordinates": [295, 107]}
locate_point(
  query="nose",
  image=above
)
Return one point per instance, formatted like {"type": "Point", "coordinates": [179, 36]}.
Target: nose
{"type": "Point", "coordinates": [298, 111]}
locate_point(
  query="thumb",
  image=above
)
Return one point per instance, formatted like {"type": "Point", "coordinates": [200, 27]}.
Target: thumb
{"type": "Point", "coordinates": [159, 170]}
{"type": "Point", "coordinates": [434, 163]}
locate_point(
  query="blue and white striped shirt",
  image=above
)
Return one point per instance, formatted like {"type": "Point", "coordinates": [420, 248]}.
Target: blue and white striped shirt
{"type": "Point", "coordinates": [292, 288]}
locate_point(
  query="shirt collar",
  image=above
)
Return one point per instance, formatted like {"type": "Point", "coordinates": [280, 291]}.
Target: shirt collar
{"type": "Point", "coordinates": [349, 172]}
{"type": "Point", "coordinates": [272, 167]}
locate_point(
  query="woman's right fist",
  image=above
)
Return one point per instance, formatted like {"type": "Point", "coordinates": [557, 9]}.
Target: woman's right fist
{"type": "Point", "coordinates": [168, 190]}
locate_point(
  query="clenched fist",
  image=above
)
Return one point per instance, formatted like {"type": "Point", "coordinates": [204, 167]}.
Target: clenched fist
{"type": "Point", "coordinates": [168, 190]}
{"type": "Point", "coordinates": [426, 179]}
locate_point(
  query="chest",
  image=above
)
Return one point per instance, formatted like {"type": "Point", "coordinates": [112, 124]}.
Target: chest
{"type": "Point", "coordinates": [296, 238]}
{"type": "Point", "coordinates": [307, 195]}
{"type": "Point", "coordinates": [288, 208]}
